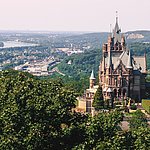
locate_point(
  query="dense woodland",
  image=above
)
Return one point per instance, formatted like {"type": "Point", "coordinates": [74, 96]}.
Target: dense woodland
{"type": "Point", "coordinates": [37, 114]}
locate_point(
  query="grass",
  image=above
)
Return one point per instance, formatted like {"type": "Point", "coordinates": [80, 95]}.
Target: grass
{"type": "Point", "coordinates": [146, 105]}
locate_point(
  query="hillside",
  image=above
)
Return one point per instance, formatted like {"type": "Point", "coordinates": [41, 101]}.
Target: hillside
{"type": "Point", "coordinates": [138, 36]}
{"type": "Point", "coordinates": [96, 40]}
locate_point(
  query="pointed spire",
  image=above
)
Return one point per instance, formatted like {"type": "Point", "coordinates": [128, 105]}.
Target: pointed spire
{"type": "Point", "coordinates": [92, 80]}
{"type": "Point", "coordinates": [92, 75]}
{"type": "Point", "coordinates": [116, 31]}
{"type": "Point", "coordinates": [111, 33]}
{"type": "Point", "coordinates": [129, 62]}
{"type": "Point", "coordinates": [116, 15]}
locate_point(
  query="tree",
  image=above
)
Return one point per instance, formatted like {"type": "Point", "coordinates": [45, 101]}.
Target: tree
{"type": "Point", "coordinates": [141, 138]}
{"type": "Point", "coordinates": [98, 102]}
{"type": "Point", "coordinates": [137, 120]}
{"type": "Point", "coordinates": [100, 130]}
{"type": "Point", "coordinates": [36, 114]}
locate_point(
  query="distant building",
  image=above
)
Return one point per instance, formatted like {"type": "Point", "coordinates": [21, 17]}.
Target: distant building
{"type": "Point", "coordinates": [121, 74]}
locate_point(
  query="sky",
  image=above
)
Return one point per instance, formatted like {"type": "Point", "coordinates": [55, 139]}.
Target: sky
{"type": "Point", "coordinates": [74, 15]}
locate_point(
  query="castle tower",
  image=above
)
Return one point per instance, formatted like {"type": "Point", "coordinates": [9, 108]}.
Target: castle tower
{"type": "Point", "coordinates": [92, 80]}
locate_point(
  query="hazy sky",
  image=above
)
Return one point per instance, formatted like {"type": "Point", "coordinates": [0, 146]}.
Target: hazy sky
{"type": "Point", "coordinates": [74, 15]}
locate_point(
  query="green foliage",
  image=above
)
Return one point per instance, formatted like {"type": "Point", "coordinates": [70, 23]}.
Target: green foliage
{"type": "Point", "coordinates": [77, 85]}
{"type": "Point", "coordinates": [81, 64]}
{"type": "Point", "coordinates": [100, 129]}
{"type": "Point", "coordinates": [141, 138]}
{"type": "Point", "coordinates": [147, 92]}
{"type": "Point", "coordinates": [77, 74]}
{"type": "Point", "coordinates": [32, 112]}
{"type": "Point", "coordinates": [138, 120]}
{"type": "Point", "coordinates": [122, 141]}
{"type": "Point", "coordinates": [37, 114]}
{"type": "Point", "coordinates": [98, 102]}
{"type": "Point", "coordinates": [146, 105]}
{"type": "Point", "coordinates": [133, 107]}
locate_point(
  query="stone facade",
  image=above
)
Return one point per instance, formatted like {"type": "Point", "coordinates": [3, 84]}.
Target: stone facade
{"type": "Point", "coordinates": [121, 74]}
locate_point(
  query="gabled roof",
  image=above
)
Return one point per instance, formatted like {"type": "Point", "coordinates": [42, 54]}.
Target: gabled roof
{"type": "Point", "coordinates": [116, 59]}
{"type": "Point", "coordinates": [136, 62]}
{"type": "Point", "coordinates": [120, 64]}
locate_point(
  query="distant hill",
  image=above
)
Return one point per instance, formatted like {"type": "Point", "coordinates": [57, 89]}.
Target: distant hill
{"type": "Point", "coordinates": [97, 39]}
{"type": "Point", "coordinates": [138, 36]}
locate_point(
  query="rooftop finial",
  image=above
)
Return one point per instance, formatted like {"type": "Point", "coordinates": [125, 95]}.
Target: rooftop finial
{"type": "Point", "coordinates": [116, 16]}
{"type": "Point", "coordinates": [110, 29]}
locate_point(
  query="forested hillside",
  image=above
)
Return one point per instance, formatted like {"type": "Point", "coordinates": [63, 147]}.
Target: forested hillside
{"type": "Point", "coordinates": [78, 72]}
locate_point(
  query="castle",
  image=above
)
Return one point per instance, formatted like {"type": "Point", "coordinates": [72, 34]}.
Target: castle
{"type": "Point", "coordinates": [121, 75]}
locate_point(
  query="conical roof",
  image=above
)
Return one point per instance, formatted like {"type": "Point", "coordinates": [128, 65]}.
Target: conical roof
{"type": "Point", "coordinates": [92, 75]}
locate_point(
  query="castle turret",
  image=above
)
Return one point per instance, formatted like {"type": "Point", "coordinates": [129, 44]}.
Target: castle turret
{"type": "Point", "coordinates": [92, 80]}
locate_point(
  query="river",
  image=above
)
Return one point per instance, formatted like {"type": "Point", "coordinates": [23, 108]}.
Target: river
{"type": "Point", "coordinates": [9, 44]}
